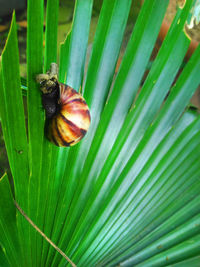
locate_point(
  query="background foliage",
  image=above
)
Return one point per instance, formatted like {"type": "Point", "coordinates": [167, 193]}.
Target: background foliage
{"type": "Point", "coordinates": [128, 193]}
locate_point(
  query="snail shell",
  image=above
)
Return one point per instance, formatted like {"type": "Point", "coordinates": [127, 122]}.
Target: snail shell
{"type": "Point", "coordinates": [72, 120]}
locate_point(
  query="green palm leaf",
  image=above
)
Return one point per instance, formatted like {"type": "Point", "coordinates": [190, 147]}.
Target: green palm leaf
{"type": "Point", "coordinates": [128, 193]}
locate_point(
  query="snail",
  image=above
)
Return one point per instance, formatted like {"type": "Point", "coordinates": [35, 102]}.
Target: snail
{"type": "Point", "coordinates": [67, 114]}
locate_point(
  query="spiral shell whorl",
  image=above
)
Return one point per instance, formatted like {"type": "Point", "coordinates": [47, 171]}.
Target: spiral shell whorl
{"type": "Point", "coordinates": [72, 121]}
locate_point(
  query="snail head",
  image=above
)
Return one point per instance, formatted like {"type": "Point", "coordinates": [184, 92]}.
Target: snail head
{"type": "Point", "coordinates": [49, 81]}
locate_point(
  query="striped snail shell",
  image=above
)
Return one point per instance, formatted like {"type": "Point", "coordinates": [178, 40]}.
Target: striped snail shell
{"type": "Point", "coordinates": [68, 116]}
{"type": "Point", "coordinates": [72, 121]}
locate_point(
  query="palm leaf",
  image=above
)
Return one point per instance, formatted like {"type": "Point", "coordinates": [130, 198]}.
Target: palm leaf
{"type": "Point", "coordinates": [128, 193]}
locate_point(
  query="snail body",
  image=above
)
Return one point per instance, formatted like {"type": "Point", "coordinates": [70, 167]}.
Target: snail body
{"type": "Point", "coordinates": [67, 114]}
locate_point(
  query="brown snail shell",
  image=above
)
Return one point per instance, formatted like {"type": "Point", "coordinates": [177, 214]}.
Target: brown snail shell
{"type": "Point", "coordinates": [72, 121]}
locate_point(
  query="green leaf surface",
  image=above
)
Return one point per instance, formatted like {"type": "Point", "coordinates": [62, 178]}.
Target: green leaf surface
{"type": "Point", "coordinates": [150, 177]}
{"type": "Point", "coordinates": [128, 193]}
{"type": "Point", "coordinates": [3, 260]}
{"type": "Point", "coordinates": [12, 113]}
{"type": "Point", "coordinates": [69, 51]}
{"type": "Point", "coordinates": [127, 83]}
{"type": "Point", "coordinates": [176, 33]}
{"type": "Point", "coordinates": [104, 55]}
{"type": "Point", "coordinates": [35, 15]}
{"type": "Point", "coordinates": [165, 208]}
{"type": "Point", "coordinates": [189, 248]}
{"type": "Point", "coordinates": [13, 122]}
{"type": "Point", "coordinates": [149, 100]}
{"type": "Point", "coordinates": [8, 225]}
{"type": "Point", "coordinates": [46, 190]}
{"type": "Point", "coordinates": [34, 67]}
{"type": "Point", "coordinates": [35, 114]}
{"type": "Point", "coordinates": [189, 262]}
{"type": "Point", "coordinates": [165, 115]}
{"type": "Point", "coordinates": [78, 43]}
{"type": "Point", "coordinates": [106, 134]}
{"type": "Point", "coordinates": [188, 230]}
{"type": "Point", "coordinates": [119, 221]}
{"type": "Point", "coordinates": [179, 227]}
{"type": "Point", "coordinates": [64, 61]}
{"type": "Point", "coordinates": [51, 32]}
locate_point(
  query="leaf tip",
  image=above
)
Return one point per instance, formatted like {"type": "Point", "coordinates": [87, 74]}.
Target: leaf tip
{"type": "Point", "coordinates": [12, 28]}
